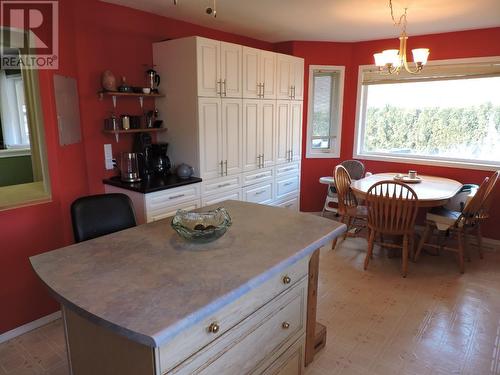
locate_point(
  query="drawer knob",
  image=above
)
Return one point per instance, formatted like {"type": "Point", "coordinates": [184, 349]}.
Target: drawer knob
{"type": "Point", "coordinates": [213, 328]}
{"type": "Point", "coordinates": [285, 325]}
{"type": "Point", "coordinates": [287, 280]}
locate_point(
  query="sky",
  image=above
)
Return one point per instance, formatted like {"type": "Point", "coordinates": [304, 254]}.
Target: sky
{"type": "Point", "coordinates": [451, 94]}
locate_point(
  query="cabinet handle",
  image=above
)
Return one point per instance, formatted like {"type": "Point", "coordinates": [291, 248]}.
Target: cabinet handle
{"type": "Point", "coordinates": [286, 279]}
{"type": "Point", "coordinates": [285, 325]}
{"type": "Point", "coordinates": [225, 88]}
{"type": "Point", "coordinates": [213, 328]}
{"type": "Point", "coordinates": [263, 89]}
{"type": "Point", "coordinates": [221, 168]}
{"type": "Point", "coordinates": [218, 87]}
{"type": "Point", "coordinates": [291, 92]}
{"type": "Point", "coordinates": [258, 160]}
{"type": "Point", "coordinates": [176, 196]}
{"type": "Point", "coordinates": [260, 192]}
{"type": "Point", "coordinates": [224, 185]}
{"type": "Point", "coordinates": [288, 184]}
{"type": "Point", "coordinates": [225, 164]}
{"type": "Point", "coordinates": [288, 169]}
{"type": "Point", "coordinates": [259, 176]}
{"type": "Point", "coordinates": [262, 161]}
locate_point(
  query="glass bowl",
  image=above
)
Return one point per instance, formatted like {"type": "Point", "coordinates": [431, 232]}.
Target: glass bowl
{"type": "Point", "coordinates": [201, 227]}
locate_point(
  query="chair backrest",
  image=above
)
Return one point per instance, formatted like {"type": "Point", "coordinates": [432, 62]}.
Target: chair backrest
{"type": "Point", "coordinates": [488, 195]}
{"type": "Point", "coordinates": [346, 197]}
{"type": "Point", "coordinates": [473, 205]}
{"type": "Point", "coordinates": [96, 215]}
{"type": "Point", "coordinates": [392, 208]}
{"type": "Point", "coordinates": [355, 168]}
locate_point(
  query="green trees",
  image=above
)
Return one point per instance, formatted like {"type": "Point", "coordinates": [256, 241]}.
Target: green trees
{"type": "Point", "coordinates": [431, 131]}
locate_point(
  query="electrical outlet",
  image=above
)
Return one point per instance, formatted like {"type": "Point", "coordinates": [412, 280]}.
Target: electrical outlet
{"type": "Point", "coordinates": [108, 157]}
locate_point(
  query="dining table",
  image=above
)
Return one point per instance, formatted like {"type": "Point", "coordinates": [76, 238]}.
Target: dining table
{"type": "Point", "coordinates": [431, 191]}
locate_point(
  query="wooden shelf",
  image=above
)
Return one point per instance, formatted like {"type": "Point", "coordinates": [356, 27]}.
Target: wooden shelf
{"type": "Point", "coordinates": [131, 94]}
{"type": "Point", "coordinates": [133, 131]}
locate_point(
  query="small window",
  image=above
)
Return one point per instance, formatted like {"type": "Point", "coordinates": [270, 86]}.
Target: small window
{"type": "Point", "coordinates": [326, 88]}
{"type": "Point", "coordinates": [449, 114]}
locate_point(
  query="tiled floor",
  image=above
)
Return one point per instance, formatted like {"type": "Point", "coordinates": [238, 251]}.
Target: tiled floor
{"type": "Point", "coordinates": [435, 321]}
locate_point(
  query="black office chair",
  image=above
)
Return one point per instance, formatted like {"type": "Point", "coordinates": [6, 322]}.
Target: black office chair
{"type": "Point", "coordinates": [96, 215]}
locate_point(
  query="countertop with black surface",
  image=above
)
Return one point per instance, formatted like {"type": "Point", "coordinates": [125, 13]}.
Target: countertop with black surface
{"type": "Point", "coordinates": [153, 183]}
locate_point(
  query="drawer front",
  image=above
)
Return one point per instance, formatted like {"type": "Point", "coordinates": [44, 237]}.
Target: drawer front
{"type": "Point", "coordinates": [247, 346]}
{"type": "Point", "coordinates": [197, 336]}
{"type": "Point", "coordinates": [159, 214]}
{"type": "Point", "coordinates": [161, 200]}
{"type": "Point", "coordinates": [290, 362]}
{"type": "Point", "coordinates": [214, 199]}
{"type": "Point", "coordinates": [256, 177]}
{"type": "Point", "coordinates": [288, 169]}
{"type": "Point", "coordinates": [286, 186]}
{"type": "Point", "coordinates": [262, 193]}
{"type": "Point", "coordinates": [291, 203]}
{"type": "Point", "coordinates": [220, 185]}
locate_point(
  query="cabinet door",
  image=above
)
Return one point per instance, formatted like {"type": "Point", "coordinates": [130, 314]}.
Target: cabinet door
{"type": "Point", "coordinates": [295, 129]}
{"type": "Point", "coordinates": [232, 135]}
{"type": "Point", "coordinates": [208, 61]}
{"type": "Point", "coordinates": [251, 132]}
{"type": "Point", "coordinates": [231, 68]}
{"type": "Point", "coordinates": [284, 68]}
{"type": "Point", "coordinates": [268, 73]}
{"type": "Point", "coordinates": [298, 78]}
{"type": "Point", "coordinates": [282, 131]}
{"type": "Point", "coordinates": [251, 79]}
{"type": "Point", "coordinates": [267, 133]}
{"type": "Point", "coordinates": [210, 133]}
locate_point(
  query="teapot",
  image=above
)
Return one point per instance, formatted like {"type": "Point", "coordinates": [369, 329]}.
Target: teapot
{"type": "Point", "coordinates": [184, 171]}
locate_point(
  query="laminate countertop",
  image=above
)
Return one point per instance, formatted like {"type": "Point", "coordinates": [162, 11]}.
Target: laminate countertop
{"type": "Point", "coordinates": [148, 284]}
{"type": "Point", "coordinates": [152, 183]}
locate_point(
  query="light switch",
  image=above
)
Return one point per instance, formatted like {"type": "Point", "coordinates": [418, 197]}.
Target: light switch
{"type": "Point", "coordinates": [108, 156]}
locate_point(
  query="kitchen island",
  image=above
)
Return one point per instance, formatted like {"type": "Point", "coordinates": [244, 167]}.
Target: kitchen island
{"type": "Point", "coordinates": [144, 301]}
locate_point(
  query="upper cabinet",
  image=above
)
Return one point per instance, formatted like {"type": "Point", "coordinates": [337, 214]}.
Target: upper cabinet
{"type": "Point", "coordinates": [259, 74]}
{"type": "Point", "coordinates": [290, 77]}
{"type": "Point", "coordinates": [219, 67]}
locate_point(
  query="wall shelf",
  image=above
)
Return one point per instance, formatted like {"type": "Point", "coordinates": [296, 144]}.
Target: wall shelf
{"type": "Point", "coordinates": [116, 94]}
{"type": "Point", "coordinates": [133, 131]}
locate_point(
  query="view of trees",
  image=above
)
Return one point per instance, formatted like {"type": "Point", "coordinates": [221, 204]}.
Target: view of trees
{"type": "Point", "coordinates": [468, 131]}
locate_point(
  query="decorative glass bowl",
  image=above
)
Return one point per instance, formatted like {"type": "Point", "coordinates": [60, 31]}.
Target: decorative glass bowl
{"type": "Point", "coordinates": [201, 227]}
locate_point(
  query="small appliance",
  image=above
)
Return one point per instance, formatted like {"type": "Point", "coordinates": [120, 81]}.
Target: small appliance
{"type": "Point", "coordinates": [129, 167]}
{"type": "Point", "coordinates": [153, 80]}
{"type": "Point", "coordinates": [143, 145]}
{"type": "Point", "coordinates": [161, 162]}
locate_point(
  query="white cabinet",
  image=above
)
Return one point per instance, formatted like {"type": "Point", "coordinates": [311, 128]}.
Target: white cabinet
{"type": "Point", "coordinates": [290, 77]}
{"type": "Point", "coordinates": [219, 68]}
{"type": "Point", "coordinates": [220, 133]}
{"type": "Point", "coordinates": [259, 74]}
{"type": "Point", "coordinates": [259, 118]}
{"type": "Point", "coordinates": [288, 131]}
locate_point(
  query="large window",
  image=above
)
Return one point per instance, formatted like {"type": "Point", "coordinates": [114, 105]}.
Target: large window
{"type": "Point", "coordinates": [449, 114]}
{"type": "Point", "coordinates": [326, 87]}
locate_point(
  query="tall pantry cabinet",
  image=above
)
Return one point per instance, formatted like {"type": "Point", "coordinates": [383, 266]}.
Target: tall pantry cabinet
{"type": "Point", "coordinates": [235, 114]}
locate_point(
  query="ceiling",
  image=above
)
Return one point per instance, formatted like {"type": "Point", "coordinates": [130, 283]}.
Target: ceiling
{"type": "Point", "coordinates": [327, 20]}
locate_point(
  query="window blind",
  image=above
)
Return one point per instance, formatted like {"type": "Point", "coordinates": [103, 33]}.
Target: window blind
{"type": "Point", "coordinates": [434, 72]}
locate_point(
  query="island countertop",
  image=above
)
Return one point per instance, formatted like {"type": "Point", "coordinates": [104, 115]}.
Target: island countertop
{"type": "Point", "coordinates": [148, 284]}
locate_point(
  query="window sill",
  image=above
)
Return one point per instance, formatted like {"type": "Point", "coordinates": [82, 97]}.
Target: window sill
{"type": "Point", "coordinates": [16, 196]}
{"type": "Point", "coordinates": [322, 155]}
{"type": "Point", "coordinates": [15, 152]}
{"type": "Point", "coordinates": [425, 161]}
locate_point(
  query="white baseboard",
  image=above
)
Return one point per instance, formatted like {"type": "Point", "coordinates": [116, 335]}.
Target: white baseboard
{"type": "Point", "coordinates": [29, 326]}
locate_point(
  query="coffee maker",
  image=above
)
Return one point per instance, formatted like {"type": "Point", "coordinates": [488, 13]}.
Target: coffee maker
{"type": "Point", "coordinates": [160, 162]}
{"type": "Point", "coordinates": [143, 145]}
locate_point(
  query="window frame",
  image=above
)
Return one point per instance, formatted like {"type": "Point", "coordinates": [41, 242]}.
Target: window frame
{"type": "Point", "coordinates": [359, 128]}
{"type": "Point", "coordinates": [330, 152]}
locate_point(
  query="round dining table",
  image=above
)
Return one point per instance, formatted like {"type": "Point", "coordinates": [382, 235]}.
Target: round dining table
{"type": "Point", "coordinates": [431, 191]}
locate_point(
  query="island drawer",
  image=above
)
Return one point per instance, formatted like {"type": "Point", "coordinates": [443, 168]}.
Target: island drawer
{"type": "Point", "coordinates": [290, 362]}
{"type": "Point", "coordinates": [194, 338]}
{"type": "Point", "coordinates": [265, 334]}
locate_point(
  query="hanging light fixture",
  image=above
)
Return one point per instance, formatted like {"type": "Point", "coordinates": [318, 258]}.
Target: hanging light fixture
{"type": "Point", "coordinates": [391, 60]}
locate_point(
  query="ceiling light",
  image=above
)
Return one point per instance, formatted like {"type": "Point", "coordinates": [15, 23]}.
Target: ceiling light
{"type": "Point", "coordinates": [210, 10]}
{"type": "Point", "coordinates": [392, 60]}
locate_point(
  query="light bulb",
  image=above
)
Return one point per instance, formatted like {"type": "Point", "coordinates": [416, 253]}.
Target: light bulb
{"type": "Point", "coordinates": [379, 59]}
{"type": "Point", "coordinates": [420, 55]}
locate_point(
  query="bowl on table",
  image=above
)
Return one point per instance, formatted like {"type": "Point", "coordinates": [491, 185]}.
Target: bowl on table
{"type": "Point", "coordinates": [201, 227]}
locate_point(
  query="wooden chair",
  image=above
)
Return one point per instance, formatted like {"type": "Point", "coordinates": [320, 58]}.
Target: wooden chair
{"type": "Point", "coordinates": [352, 214]}
{"type": "Point", "coordinates": [460, 224]}
{"type": "Point", "coordinates": [392, 210]}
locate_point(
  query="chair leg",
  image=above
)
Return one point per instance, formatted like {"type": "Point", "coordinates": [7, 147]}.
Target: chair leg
{"type": "Point", "coordinates": [334, 243]}
{"type": "Point", "coordinates": [412, 246]}
{"type": "Point", "coordinates": [460, 251]}
{"type": "Point", "coordinates": [422, 241]}
{"type": "Point", "coordinates": [405, 256]}
{"type": "Point", "coordinates": [369, 253]}
{"type": "Point", "coordinates": [347, 221]}
{"type": "Point", "coordinates": [479, 237]}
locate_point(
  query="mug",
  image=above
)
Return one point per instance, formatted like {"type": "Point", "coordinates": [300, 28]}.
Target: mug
{"type": "Point", "coordinates": [412, 174]}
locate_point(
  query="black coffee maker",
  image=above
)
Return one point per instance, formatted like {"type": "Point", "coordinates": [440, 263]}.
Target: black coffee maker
{"type": "Point", "coordinates": [160, 162]}
{"type": "Point", "coordinates": [143, 145]}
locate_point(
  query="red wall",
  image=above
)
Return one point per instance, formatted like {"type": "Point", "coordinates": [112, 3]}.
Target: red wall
{"type": "Point", "coordinates": [475, 43]}
{"type": "Point", "coordinates": [94, 36]}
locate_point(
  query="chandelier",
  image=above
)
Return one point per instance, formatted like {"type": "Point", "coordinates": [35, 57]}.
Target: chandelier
{"type": "Point", "coordinates": [392, 61]}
